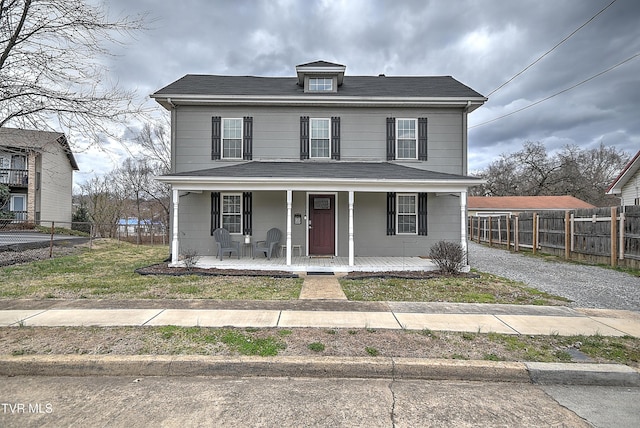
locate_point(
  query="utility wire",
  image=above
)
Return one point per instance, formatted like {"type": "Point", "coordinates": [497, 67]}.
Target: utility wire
{"type": "Point", "coordinates": [550, 50]}
{"type": "Point", "coordinates": [558, 93]}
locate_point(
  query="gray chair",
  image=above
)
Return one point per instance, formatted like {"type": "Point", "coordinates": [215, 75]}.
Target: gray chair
{"type": "Point", "coordinates": [269, 246]}
{"type": "Point", "coordinates": [224, 243]}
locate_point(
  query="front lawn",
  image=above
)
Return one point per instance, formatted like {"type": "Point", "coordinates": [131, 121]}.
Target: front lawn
{"type": "Point", "coordinates": [107, 272]}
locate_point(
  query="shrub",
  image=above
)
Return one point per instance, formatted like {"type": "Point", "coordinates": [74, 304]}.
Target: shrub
{"type": "Point", "coordinates": [448, 256]}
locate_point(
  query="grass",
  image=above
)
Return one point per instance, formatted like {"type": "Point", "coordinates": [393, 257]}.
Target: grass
{"type": "Point", "coordinates": [107, 271]}
{"type": "Point", "coordinates": [199, 340]}
{"type": "Point", "coordinates": [485, 288]}
{"type": "Point", "coordinates": [316, 347]}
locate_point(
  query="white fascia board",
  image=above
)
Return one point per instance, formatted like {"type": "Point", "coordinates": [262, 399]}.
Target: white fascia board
{"type": "Point", "coordinates": [321, 100]}
{"type": "Point", "coordinates": [314, 185]}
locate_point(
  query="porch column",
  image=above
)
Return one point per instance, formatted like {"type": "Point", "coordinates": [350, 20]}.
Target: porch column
{"type": "Point", "coordinates": [175, 245]}
{"type": "Point", "coordinates": [463, 221]}
{"type": "Point", "coordinates": [289, 201]}
{"type": "Point", "coordinates": [351, 244]}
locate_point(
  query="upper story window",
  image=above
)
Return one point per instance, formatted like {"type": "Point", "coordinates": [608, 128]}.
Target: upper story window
{"type": "Point", "coordinates": [320, 84]}
{"type": "Point", "coordinates": [320, 138]}
{"type": "Point", "coordinates": [406, 139]}
{"type": "Point", "coordinates": [231, 138]}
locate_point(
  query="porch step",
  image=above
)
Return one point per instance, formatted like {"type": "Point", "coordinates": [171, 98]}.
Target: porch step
{"type": "Point", "coordinates": [321, 287]}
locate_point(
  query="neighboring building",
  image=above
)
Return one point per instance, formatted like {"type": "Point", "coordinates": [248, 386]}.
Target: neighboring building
{"type": "Point", "coordinates": [344, 165]}
{"type": "Point", "coordinates": [627, 184]}
{"type": "Point", "coordinates": [38, 168]}
{"type": "Point", "coordinates": [510, 205]}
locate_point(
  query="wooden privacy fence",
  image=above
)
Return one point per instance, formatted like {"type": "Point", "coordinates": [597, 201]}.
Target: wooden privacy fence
{"type": "Point", "coordinates": [602, 235]}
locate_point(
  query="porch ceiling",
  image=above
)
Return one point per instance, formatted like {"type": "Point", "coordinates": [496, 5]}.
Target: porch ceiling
{"type": "Point", "coordinates": [326, 176]}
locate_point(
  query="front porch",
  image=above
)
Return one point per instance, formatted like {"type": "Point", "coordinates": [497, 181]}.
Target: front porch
{"type": "Point", "coordinates": [319, 264]}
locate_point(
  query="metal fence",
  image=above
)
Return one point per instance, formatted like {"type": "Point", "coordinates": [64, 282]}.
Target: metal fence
{"type": "Point", "coordinates": [601, 235]}
{"type": "Point", "coordinates": [22, 241]}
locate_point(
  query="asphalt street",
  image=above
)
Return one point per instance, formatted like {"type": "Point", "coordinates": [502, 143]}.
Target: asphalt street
{"type": "Point", "coordinates": [288, 402]}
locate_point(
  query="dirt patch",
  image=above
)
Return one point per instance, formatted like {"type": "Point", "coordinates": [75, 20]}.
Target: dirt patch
{"type": "Point", "coordinates": [171, 340]}
{"type": "Point", "coordinates": [164, 269]}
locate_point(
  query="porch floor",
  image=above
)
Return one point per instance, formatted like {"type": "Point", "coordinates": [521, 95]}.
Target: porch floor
{"type": "Point", "coordinates": [319, 264]}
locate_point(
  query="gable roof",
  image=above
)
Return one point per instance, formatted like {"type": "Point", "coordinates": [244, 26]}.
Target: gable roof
{"type": "Point", "coordinates": [37, 140]}
{"type": "Point", "coordinates": [625, 175]}
{"type": "Point", "coordinates": [525, 203]}
{"type": "Point", "coordinates": [353, 86]}
{"type": "Point", "coordinates": [320, 64]}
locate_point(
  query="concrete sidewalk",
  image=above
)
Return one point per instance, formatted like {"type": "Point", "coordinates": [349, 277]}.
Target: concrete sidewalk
{"type": "Point", "coordinates": [461, 317]}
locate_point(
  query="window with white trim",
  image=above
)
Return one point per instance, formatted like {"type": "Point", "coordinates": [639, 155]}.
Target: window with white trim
{"type": "Point", "coordinates": [406, 139]}
{"type": "Point", "coordinates": [231, 138]}
{"type": "Point", "coordinates": [231, 212]}
{"type": "Point", "coordinates": [407, 214]}
{"type": "Point", "coordinates": [321, 84]}
{"type": "Point", "coordinates": [320, 138]}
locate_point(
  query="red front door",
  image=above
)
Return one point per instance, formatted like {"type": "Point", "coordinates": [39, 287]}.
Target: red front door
{"type": "Point", "coordinates": [322, 224]}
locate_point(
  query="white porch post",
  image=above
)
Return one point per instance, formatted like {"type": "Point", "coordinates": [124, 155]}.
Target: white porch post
{"type": "Point", "coordinates": [351, 244]}
{"type": "Point", "coordinates": [289, 201]}
{"type": "Point", "coordinates": [175, 245]}
{"type": "Point", "coordinates": [463, 221]}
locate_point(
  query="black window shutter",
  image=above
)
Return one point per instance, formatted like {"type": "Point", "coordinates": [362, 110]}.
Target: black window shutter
{"type": "Point", "coordinates": [422, 214]}
{"type": "Point", "coordinates": [216, 137]}
{"type": "Point", "coordinates": [247, 199]}
{"type": "Point", "coordinates": [215, 211]}
{"type": "Point", "coordinates": [247, 134]}
{"type": "Point", "coordinates": [391, 138]}
{"type": "Point", "coordinates": [304, 137]}
{"type": "Point", "coordinates": [422, 138]}
{"type": "Point", "coordinates": [391, 213]}
{"type": "Point", "coordinates": [335, 138]}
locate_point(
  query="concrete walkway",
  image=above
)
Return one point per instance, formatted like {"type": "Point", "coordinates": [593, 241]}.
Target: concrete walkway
{"type": "Point", "coordinates": [321, 287]}
{"type": "Point", "coordinates": [484, 318]}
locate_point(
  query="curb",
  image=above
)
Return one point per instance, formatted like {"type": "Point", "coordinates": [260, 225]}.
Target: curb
{"type": "Point", "coordinates": [336, 367]}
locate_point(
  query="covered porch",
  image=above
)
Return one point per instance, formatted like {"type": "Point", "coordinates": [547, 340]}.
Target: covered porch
{"type": "Point", "coordinates": [283, 195]}
{"type": "Point", "coordinates": [318, 264]}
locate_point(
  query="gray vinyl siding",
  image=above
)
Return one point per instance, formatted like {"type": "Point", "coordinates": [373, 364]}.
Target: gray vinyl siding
{"type": "Point", "coordinates": [629, 191]}
{"type": "Point", "coordinates": [276, 134]}
{"type": "Point", "coordinates": [269, 210]}
{"type": "Point", "coordinates": [443, 219]}
{"type": "Point", "coordinates": [56, 186]}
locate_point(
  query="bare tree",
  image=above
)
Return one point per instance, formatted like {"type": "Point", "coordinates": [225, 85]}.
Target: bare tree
{"type": "Point", "coordinates": [573, 171]}
{"type": "Point", "coordinates": [105, 202]}
{"type": "Point", "coordinates": [50, 67]}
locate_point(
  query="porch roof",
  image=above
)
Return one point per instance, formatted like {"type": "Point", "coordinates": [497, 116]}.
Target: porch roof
{"type": "Point", "coordinates": [309, 175]}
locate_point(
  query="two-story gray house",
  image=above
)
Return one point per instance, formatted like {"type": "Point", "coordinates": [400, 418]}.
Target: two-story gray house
{"type": "Point", "coordinates": [346, 166]}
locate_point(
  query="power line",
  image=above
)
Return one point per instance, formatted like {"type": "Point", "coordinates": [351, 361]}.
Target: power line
{"type": "Point", "coordinates": [550, 50]}
{"type": "Point", "coordinates": [558, 93]}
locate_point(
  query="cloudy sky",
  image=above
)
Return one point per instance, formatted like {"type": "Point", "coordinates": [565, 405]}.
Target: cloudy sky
{"type": "Point", "coordinates": [481, 43]}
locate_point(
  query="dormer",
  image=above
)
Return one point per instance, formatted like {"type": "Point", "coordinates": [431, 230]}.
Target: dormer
{"type": "Point", "coordinates": [320, 76]}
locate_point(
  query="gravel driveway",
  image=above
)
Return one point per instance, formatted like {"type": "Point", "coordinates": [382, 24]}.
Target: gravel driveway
{"type": "Point", "coordinates": [587, 286]}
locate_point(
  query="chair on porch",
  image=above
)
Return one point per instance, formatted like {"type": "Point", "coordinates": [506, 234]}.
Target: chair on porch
{"type": "Point", "coordinates": [224, 243]}
{"type": "Point", "coordinates": [270, 245]}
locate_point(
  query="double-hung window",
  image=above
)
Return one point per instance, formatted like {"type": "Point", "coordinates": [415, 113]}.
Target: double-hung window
{"type": "Point", "coordinates": [232, 138]}
{"type": "Point", "coordinates": [406, 139]}
{"type": "Point", "coordinates": [320, 138]}
{"type": "Point", "coordinates": [320, 84]}
{"type": "Point", "coordinates": [232, 212]}
{"type": "Point", "coordinates": [407, 213]}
